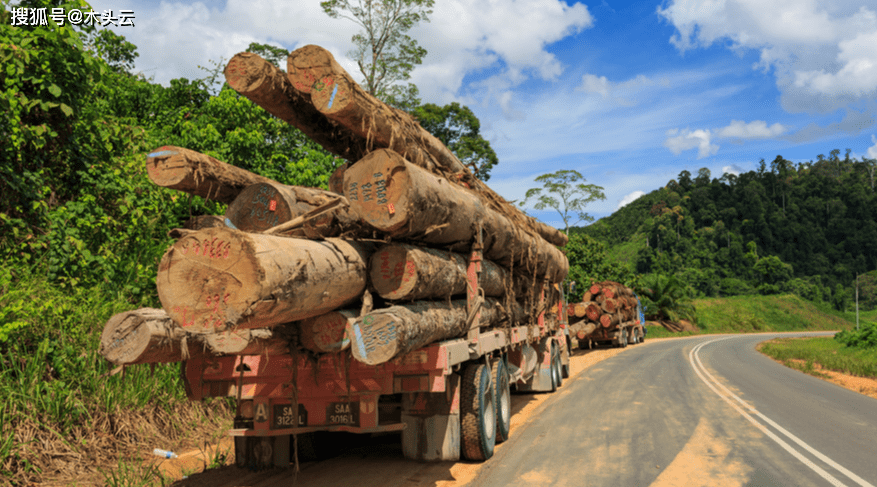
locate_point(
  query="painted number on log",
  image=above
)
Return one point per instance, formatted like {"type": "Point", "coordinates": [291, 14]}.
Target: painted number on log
{"type": "Point", "coordinates": [284, 416]}
{"type": "Point", "coordinates": [343, 413]}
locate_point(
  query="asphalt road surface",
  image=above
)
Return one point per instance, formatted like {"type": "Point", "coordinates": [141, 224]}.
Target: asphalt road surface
{"type": "Point", "coordinates": [693, 412]}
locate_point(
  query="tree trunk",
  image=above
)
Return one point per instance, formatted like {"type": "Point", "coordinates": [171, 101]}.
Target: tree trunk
{"type": "Point", "coordinates": [405, 201]}
{"type": "Point", "coordinates": [383, 334]}
{"type": "Point", "coordinates": [593, 312]}
{"type": "Point", "coordinates": [265, 205]}
{"type": "Point", "coordinates": [267, 86]}
{"type": "Point", "coordinates": [219, 278]}
{"type": "Point", "coordinates": [198, 174]}
{"type": "Point", "coordinates": [146, 335]}
{"type": "Point", "coordinates": [401, 271]}
{"type": "Point", "coordinates": [204, 221]}
{"type": "Point", "coordinates": [580, 309]}
{"type": "Point", "coordinates": [582, 329]}
{"type": "Point", "coordinates": [260, 341]}
{"type": "Point", "coordinates": [313, 70]}
{"type": "Point", "coordinates": [327, 333]}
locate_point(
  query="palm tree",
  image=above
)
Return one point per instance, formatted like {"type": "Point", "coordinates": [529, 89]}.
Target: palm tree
{"type": "Point", "coordinates": [665, 298]}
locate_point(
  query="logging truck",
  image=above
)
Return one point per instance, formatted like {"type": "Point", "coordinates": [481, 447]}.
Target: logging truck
{"type": "Point", "coordinates": [609, 314]}
{"type": "Point", "coordinates": [449, 399]}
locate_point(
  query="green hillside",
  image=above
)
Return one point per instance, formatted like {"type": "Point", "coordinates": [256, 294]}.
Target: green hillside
{"type": "Point", "coordinates": [807, 229]}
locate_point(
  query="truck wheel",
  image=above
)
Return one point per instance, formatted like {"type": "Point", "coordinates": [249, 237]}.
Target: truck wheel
{"type": "Point", "coordinates": [478, 413]}
{"type": "Point", "coordinates": [622, 342]}
{"type": "Point", "coordinates": [503, 399]}
{"type": "Point", "coordinates": [642, 337]}
{"type": "Point", "coordinates": [631, 337]}
{"type": "Point", "coordinates": [556, 366]}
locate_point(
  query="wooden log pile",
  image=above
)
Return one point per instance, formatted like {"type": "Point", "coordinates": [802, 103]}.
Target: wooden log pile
{"type": "Point", "coordinates": [376, 266]}
{"type": "Point", "coordinates": [604, 305]}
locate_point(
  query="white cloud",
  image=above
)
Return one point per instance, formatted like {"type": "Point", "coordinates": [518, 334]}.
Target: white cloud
{"type": "Point", "coordinates": [822, 52]}
{"type": "Point", "coordinates": [732, 169]}
{"type": "Point", "coordinates": [757, 129]}
{"type": "Point", "coordinates": [702, 139]}
{"type": "Point", "coordinates": [872, 151]}
{"type": "Point", "coordinates": [629, 198]}
{"type": "Point", "coordinates": [687, 139]}
{"type": "Point", "coordinates": [595, 84]}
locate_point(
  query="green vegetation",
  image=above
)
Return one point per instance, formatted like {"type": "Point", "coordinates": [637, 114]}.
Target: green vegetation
{"type": "Point", "coordinates": [823, 351]}
{"type": "Point", "coordinates": [664, 298]}
{"type": "Point", "coordinates": [807, 229]}
{"type": "Point", "coordinates": [864, 337]}
{"type": "Point", "coordinates": [742, 314]}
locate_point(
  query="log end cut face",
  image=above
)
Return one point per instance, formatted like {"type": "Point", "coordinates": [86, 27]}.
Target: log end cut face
{"type": "Point", "coordinates": [378, 184]}
{"type": "Point", "coordinates": [374, 338]}
{"type": "Point", "coordinates": [167, 166]}
{"type": "Point", "coordinates": [332, 94]}
{"type": "Point", "coordinates": [260, 207]}
{"type": "Point", "coordinates": [200, 279]}
{"type": "Point", "coordinates": [392, 273]}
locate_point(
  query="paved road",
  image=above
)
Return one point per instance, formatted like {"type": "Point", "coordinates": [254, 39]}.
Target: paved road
{"type": "Point", "coordinates": [699, 411]}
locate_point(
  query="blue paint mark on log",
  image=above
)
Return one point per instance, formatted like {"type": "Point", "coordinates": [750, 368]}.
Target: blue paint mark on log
{"type": "Point", "coordinates": [163, 153]}
{"type": "Point", "coordinates": [334, 92]}
{"type": "Point", "coordinates": [229, 224]}
{"type": "Point", "coordinates": [359, 343]}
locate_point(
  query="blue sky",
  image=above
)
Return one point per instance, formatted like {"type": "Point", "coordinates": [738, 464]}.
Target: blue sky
{"type": "Point", "coordinates": [627, 93]}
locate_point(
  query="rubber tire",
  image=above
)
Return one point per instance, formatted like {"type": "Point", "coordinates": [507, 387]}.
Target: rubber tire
{"type": "Point", "coordinates": [564, 369]}
{"type": "Point", "coordinates": [642, 338]}
{"type": "Point", "coordinates": [503, 395]}
{"type": "Point", "coordinates": [622, 343]}
{"type": "Point", "coordinates": [477, 413]}
{"type": "Point", "coordinates": [631, 337]}
{"type": "Point", "coordinates": [558, 365]}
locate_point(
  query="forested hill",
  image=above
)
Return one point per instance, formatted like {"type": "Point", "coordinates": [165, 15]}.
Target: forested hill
{"type": "Point", "coordinates": [806, 228]}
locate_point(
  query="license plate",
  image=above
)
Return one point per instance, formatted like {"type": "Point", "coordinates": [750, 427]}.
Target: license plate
{"type": "Point", "coordinates": [285, 417]}
{"type": "Point", "coordinates": [343, 413]}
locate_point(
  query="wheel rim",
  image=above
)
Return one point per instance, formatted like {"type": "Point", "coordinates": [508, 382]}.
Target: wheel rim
{"type": "Point", "coordinates": [489, 412]}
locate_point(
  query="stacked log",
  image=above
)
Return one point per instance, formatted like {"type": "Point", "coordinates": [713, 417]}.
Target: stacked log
{"type": "Point", "coordinates": [292, 267]}
{"type": "Point", "coordinates": [605, 305]}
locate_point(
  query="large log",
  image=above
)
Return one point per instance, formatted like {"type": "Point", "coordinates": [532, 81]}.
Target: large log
{"type": "Point", "coordinates": [243, 341]}
{"type": "Point", "coordinates": [267, 86]}
{"type": "Point", "coordinates": [265, 205]}
{"type": "Point", "coordinates": [313, 70]}
{"type": "Point", "coordinates": [198, 174]}
{"type": "Point", "coordinates": [385, 333]}
{"type": "Point", "coordinates": [401, 271]}
{"type": "Point", "coordinates": [405, 201]}
{"type": "Point", "coordinates": [221, 278]}
{"type": "Point", "coordinates": [146, 335]}
{"type": "Point", "coordinates": [327, 333]}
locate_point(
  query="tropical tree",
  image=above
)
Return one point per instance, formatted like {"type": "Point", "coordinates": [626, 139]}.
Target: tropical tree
{"type": "Point", "coordinates": [567, 193]}
{"type": "Point", "coordinates": [665, 298]}
{"type": "Point", "coordinates": [385, 54]}
{"type": "Point", "coordinates": [458, 128]}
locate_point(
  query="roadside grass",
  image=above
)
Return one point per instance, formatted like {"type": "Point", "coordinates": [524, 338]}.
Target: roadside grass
{"type": "Point", "coordinates": [747, 314]}
{"type": "Point", "coordinates": [65, 417]}
{"type": "Point", "coordinates": [804, 353]}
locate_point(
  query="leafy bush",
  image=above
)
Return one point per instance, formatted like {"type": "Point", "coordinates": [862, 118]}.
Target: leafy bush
{"type": "Point", "coordinates": [866, 337]}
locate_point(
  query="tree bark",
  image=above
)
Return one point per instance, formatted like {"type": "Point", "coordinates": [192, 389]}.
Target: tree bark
{"type": "Point", "coordinates": [146, 335]}
{"type": "Point", "coordinates": [405, 201]}
{"type": "Point", "coordinates": [327, 333]}
{"type": "Point", "coordinates": [198, 174]}
{"type": "Point", "coordinates": [401, 271]}
{"type": "Point", "coordinates": [267, 86]}
{"type": "Point", "coordinates": [265, 205]}
{"type": "Point", "coordinates": [219, 278]}
{"type": "Point", "coordinates": [204, 221]}
{"type": "Point", "coordinates": [334, 93]}
{"type": "Point", "coordinates": [383, 334]}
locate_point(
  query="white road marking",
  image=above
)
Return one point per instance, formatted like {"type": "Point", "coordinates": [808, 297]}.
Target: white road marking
{"type": "Point", "coordinates": [711, 382]}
